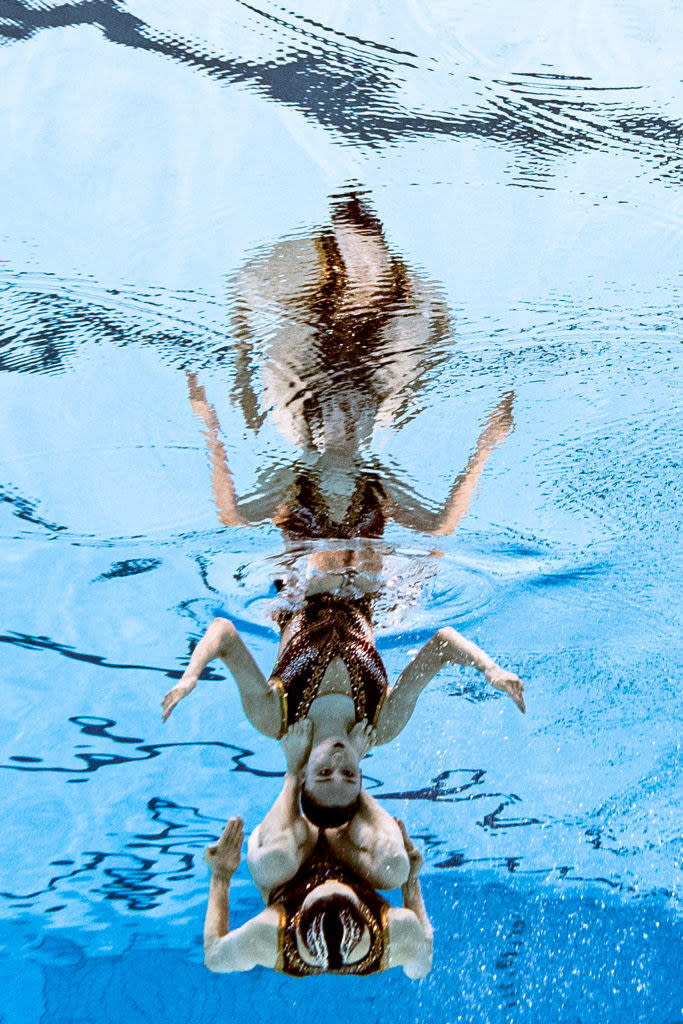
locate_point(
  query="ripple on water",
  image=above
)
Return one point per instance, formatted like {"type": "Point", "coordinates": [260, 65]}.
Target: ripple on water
{"type": "Point", "coordinates": [417, 590]}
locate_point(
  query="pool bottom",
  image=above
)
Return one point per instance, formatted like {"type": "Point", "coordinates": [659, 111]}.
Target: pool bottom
{"type": "Point", "coordinates": [503, 953]}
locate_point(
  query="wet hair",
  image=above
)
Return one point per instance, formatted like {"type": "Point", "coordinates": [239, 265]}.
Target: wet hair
{"type": "Point", "coordinates": [330, 929]}
{"type": "Point", "coordinates": [323, 816]}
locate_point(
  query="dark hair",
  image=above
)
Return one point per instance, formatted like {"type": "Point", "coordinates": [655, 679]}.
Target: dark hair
{"type": "Point", "coordinates": [353, 208]}
{"type": "Point", "coordinates": [323, 816]}
{"type": "Point", "coordinates": [330, 928]}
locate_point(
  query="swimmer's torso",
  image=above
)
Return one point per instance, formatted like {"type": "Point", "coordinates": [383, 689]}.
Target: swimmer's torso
{"type": "Point", "coordinates": [311, 515]}
{"type": "Point", "coordinates": [329, 634]}
{"type": "Point", "coordinates": [323, 866]}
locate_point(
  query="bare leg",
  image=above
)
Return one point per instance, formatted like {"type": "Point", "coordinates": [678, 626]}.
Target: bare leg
{"type": "Point", "coordinates": [446, 647]}
{"type": "Point", "coordinates": [261, 703]}
{"type": "Point", "coordinates": [284, 839]}
{"type": "Point", "coordinates": [372, 845]}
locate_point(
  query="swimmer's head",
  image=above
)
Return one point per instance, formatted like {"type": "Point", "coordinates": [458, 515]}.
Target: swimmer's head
{"type": "Point", "coordinates": [330, 791]}
{"type": "Point", "coordinates": [331, 930]}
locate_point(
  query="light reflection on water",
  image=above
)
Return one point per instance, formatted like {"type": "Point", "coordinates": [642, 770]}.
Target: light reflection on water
{"type": "Point", "coordinates": [524, 169]}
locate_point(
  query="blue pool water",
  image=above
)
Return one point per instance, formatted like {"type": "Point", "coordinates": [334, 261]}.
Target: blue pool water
{"type": "Point", "coordinates": [524, 161]}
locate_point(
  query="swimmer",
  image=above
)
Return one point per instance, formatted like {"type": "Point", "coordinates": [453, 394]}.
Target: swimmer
{"type": "Point", "coordinates": [326, 919]}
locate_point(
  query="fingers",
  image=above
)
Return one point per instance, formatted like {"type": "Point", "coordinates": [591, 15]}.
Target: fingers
{"type": "Point", "coordinates": [167, 704]}
{"type": "Point", "coordinates": [407, 841]}
{"type": "Point", "coordinates": [197, 392]}
{"type": "Point", "coordinates": [300, 730]}
{"type": "Point", "coordinates": [506, 402]}
{"type": "Point", "coordinates": [509, 683]}
{"type": "Point", "coordinates": [224, 856]}
{"type": "Point", "coordinates": [232, 833]}
{"type": "Point", "coordinates": [515, 688]}
{"type": "Point", "coordinates": [363, 736]}
{"type": "Point", "coordinates": [304, 728]}
{"type": "Point", "coordinates": [369, 736]}
{"type": "Point", "coordinates": [296, 744]}
{"type": "Point", "coordinates": [175, 695]}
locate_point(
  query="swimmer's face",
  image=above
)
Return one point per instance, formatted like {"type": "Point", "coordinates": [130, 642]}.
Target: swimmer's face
{"type": "Point", "coordinates": [332, 776]}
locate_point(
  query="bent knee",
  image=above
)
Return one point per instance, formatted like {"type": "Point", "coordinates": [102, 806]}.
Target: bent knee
{"type": "Point", "coordinates": [390, 868]}
{"type": "Point", "coordinates": [272, 865]}
{"type": "Point", "coordinates": [222, 627]}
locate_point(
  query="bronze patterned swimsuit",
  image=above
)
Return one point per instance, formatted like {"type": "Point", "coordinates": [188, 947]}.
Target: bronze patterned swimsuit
{"type": "Point", "coordinates": [324, 629]}
{"type": "Point", "coordinates": [324, 866]}
{"type": "Point", "coordinates": [308, 519]}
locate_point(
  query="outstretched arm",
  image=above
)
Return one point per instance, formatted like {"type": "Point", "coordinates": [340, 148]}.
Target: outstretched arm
{"type": "Point", "coordinates": [445, 647]}
{"type": "Point", "coordinates": [416, 517]}
{"type": "Point", "coordinates": [260, 701]}
{"type": "Point", "coordinates": [231, 511]}
{"type": "Point", "coordinates": [221, 481]}
{"type": "Point", "coordinates": [256, 941]}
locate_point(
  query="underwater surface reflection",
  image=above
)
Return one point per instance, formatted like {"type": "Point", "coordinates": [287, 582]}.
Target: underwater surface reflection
{"type": "Point", "coordinates": [170, 272]}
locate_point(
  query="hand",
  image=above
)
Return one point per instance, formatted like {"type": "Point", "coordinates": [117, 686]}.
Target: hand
{"type": "Point", "coordinates": [200, 406]}
{"type": "Point", "coordinates": [509, 683]}
{"type": "Point", "coordinates": [174, 696]}
{"type": "Point", "coordinates": [224, 858]}
{"type": "Point", "coordinates": [296, 744]}
{"type": "Point", "coordinates": [501, 421]}
{"type": "Point", "coordinates": [197, 392]}
{"type": "Point", "coordinates": [362, 737]}
{"type": "Point", "coordinates": [414, 856]}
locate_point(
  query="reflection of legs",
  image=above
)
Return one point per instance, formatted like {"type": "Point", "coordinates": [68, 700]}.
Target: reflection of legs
{"type": "Point", "coordinates": [373, 846]}
{"type": "Point", "coordinates": [279, 845]}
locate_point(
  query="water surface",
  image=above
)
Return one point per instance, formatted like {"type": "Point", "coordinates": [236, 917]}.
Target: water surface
{"type": "Point", "coordinates": [525, 165]}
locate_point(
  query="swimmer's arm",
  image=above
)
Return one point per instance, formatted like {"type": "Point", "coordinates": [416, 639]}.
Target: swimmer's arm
{"type": "Point", "coordinates": [281, 842]}
{"type": "Point", "coordinates": [255, 943]}
{"type": "Point", "coordinates": [411, 938]}
{"type": "Point", "coordinates": [277, 845]}
{"type": "Point", "coordinates": [231, 510]}
{"type": "Point", "coordinates": [222, 486]}
{"type": "Point", "coordinates": [409, 946]}
{"type": "Point", "coordinates": [410, 513]}
{"type": "Point", "coordinates": [446, 647]}
{"type": "Point", "coordinates": [261, 703]}
{"type": "Point", "coordinates": [420, 963]}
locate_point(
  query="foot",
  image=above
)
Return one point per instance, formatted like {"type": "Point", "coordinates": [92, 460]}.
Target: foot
{"type": "Point", "coordinates": [296, 744]}
{"type": "Point", "coordinates": [362, 736]}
